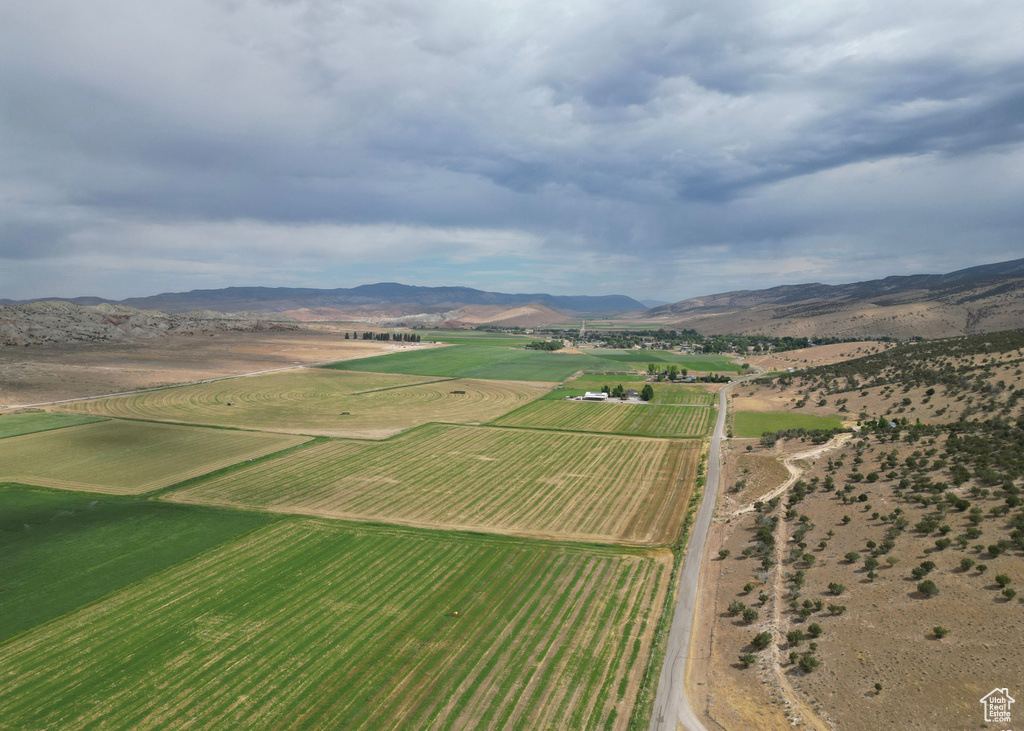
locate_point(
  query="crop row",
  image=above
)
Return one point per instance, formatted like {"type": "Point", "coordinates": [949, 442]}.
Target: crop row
{"type": "Point", "coordinates": [640, 419]}
{"type": "Point", "coordinates": [577, 486]}
{"type": "Point", "coordinates": [302, 625]}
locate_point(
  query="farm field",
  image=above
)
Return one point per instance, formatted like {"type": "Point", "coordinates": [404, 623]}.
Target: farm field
{"type": "Point", "coordinates": [587, 487]}
{"type": "Point", "coordinates": [674, 393]}
{"type": "Point", "coordinates": [364, 629]}
{"type": "Point", "coordinates": [756, 423]}
{"type": "Point", "coordinates": [578, 385]}
{"type": "Point", "coordinates": [322, 402]}
{"type": "Point", "coordinates": [649, 420]}
{"type": "Point", "coordinates": [509, 363]}
{"type": "Point", "coordinates": [664, 393]}
{"type": "Point", "coordinates": [14, 425]}
{"type": "Point", "coordinates": [54, 372]}
{"type": "Point", "coordinates": [125, 457]}
{"type": "Point", "coordinates": [469, 337]}
{"type": "Point", "coordinates": [63, 550]}
{"type": "Point", "coordinates": [480, 361]}
{"type": "Point", "coordinates": [640, 359]}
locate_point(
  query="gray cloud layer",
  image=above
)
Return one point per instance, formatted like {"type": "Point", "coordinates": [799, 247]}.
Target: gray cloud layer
{"type": "Point", "coordinates": [652, 149]}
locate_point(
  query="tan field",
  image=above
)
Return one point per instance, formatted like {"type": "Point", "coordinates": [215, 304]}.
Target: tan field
{"type": "Point", "coordinates": [45, 373]}
{"type": "Point", "coordinates": [323, 402]}
{"type": "Point", "coordinates": [587, 487]}
{"type": "Point", "coordinates": [123, 457]}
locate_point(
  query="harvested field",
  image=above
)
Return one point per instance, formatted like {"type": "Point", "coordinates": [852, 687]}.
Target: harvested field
{"type": "Point", "coordinates": [322, 402]}
{"type": "Point", "coordinates": [62, 550]}
{"type": "Point", "coordinates": [521, 482]}
{"type": "Point", "coordinates": [123, 457]}
{"type": "Point", "coordinates": [648, 420]}
{"type": "Point", "coordinates": [673, 393]}
{"type": "Point", "coordinates": [14, 425]}
{"type": "Point", "coordinates": [303, 625]}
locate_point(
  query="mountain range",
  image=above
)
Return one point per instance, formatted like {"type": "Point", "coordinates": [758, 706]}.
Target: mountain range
{"type": "Point", "coordinates": [397, 299]}
{"type": "Point", "coordinates": [978, 299]}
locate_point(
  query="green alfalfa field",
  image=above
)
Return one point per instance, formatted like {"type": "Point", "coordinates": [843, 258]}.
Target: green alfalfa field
{"type": "Point", "coordinates": [129, 457]}
{"type": "Point", "coordinates": [518, 364]}
{"type": "Point", "coordinates": [756, 423]}
{"type": "Point", "coordinates": [307, 625]}
{"type": "Point", "coordinates": [31, 422]}
{"type": "Point", "coordinates": [60, 550]}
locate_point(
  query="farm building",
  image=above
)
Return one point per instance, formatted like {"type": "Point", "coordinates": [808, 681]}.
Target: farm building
{"type": "Point", "coordinates": [591, 396]}
{"type": "Point", "coordinates": [631, 393]}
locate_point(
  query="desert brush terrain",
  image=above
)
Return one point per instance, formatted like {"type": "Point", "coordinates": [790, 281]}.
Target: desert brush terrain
{"type": "Point", "coordinates": [870, 580]}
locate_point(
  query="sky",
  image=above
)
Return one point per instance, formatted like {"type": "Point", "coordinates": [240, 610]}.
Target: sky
{"type": "Point", "coordinates": [661, 150]}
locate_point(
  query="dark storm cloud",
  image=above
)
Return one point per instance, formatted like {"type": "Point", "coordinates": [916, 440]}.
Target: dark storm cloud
{"type": "Point", "coordinates": [556, 133]}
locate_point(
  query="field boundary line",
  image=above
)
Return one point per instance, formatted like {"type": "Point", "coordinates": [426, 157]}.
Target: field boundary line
{"type": "Point", "coordinates": [433, 527]}
{"type": "Point", "coordinates": [404, 385]}
{"type": "Point", "coordinates": [633, 435]}
{"type": "Point", "coordinates": [272, 519]}
{"type": "Point", "coordinates": [230, 468]}
{"type": "Point", "coordinates": [92, 420]}
{"type": "Point", "coordinates": [442, 534]}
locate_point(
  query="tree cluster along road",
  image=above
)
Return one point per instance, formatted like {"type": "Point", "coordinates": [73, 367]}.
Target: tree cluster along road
{"type": "Point", "coordinates": [671, 706]}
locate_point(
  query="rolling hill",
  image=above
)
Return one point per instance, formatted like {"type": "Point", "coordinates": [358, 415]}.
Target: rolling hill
{"type": "Point", "coordinates": [979, 299]}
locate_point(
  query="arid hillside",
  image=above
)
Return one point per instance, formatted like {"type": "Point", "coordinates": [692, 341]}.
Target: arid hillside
{"type": "Point", "coordinates": [870, 580]}
{"type": "Point", "coordinates": [64, 322]}
{"type": "Point", "coordinates": [980, 299]}
{"type": "Point", "coordinates": [468, 316]}
{"type": "Point", "coordinates": [935, 382]}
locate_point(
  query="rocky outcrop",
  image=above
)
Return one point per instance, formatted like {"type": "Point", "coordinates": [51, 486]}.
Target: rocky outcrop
{"type": "Point", "coordinates": [39, 323]}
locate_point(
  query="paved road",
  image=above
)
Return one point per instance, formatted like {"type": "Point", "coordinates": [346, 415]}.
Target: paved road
{"type": "Point", "coordinates": [671, 706]}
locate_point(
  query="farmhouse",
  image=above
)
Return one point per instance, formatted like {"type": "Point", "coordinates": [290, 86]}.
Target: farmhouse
{"type": "Point", "coordinates": [591, 396]}
{"type": "Point", "coordinates": [631, 393]}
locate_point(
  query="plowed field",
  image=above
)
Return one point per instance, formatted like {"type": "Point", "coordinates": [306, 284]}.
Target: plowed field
{"type": "Point", "coordinates": [301, 625]}
{"type": "Point", "coordinates": [574, 486]}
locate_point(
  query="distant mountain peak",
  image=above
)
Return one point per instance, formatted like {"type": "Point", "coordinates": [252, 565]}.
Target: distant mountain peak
{"type": "Point", "coordinates": [410, 299]}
